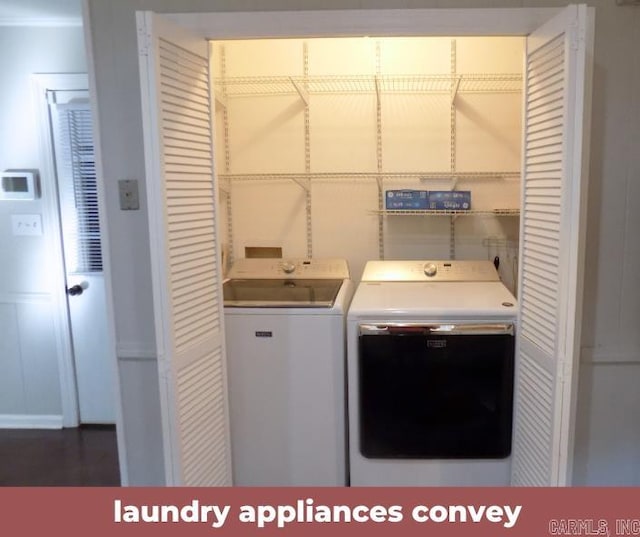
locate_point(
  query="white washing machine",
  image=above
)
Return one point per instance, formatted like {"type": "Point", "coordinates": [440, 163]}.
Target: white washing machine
{"type": "Point", "coordinates": [430, 375]}
{"type": "Point", "coordinates": [285, 345]}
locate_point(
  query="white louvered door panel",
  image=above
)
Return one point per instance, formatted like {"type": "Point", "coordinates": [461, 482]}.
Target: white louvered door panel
{"type": "Point", "coordinates": [551, 257]}
{"type": "Point", "coordinates": [187, 283]}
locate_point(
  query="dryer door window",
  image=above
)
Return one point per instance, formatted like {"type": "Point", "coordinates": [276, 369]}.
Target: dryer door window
{"type": "Point", "coordinates": [426, 392]}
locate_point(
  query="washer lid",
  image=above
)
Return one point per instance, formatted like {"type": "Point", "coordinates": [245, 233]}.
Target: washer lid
{"type": "Point", "coordinates": [280, 293]}
{"type": "Point", "coordinates": [433, 300]}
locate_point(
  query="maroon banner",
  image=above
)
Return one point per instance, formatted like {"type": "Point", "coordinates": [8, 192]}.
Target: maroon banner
{"type": "Point", "coordinates": [485, 512]}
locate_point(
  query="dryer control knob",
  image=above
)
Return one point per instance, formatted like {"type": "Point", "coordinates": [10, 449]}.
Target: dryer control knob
{"type": "Point", "coordinates": [430, 269]}
{"type": "Point", "coordinates": [288, 267]}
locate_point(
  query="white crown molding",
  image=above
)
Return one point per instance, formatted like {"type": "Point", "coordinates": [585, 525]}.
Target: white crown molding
{"type": "Point", "coordinates": [41, 22]}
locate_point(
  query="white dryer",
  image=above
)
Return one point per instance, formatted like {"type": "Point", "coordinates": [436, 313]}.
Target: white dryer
{"type": "Point", "coordinates": [430, 375]}
{"type": "Point", "coordinates": [285, 346]}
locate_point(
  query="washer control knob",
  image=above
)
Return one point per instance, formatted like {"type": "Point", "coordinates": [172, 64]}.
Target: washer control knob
{"type": "Point", "coordinates": [288, 267]}
{"type": "Point", "coordinates": [430, 269]}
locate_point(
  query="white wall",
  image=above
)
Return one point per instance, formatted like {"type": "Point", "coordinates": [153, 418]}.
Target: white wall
{"type": "Point", "coordinates": [265, 134]}
{"type": "Point", "coordinates": [29, 381]}
{"type": "Point", "coordinates": [607, 439]}
{"type": "Point", "coordinates": [611, 339]}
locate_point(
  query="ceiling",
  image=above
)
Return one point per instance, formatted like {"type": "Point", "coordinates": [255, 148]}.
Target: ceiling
{"type": "Point", "coordinates": [25, 12]}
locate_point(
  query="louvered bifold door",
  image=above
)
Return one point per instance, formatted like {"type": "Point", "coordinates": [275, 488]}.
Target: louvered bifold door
{"type": "Point", "coordinates": [551, 242]}
{"type": "Point", "coordinates": [184, 253]}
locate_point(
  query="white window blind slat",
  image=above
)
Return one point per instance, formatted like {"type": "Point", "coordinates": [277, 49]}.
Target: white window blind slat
{"type": "Point", "coordinates": [78, 190]}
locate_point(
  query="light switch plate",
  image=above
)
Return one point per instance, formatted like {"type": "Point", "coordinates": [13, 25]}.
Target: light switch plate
{"type": "Point", "coordinates": [26, 224]}
{"type": "Point", "coordinates": [129, 199]}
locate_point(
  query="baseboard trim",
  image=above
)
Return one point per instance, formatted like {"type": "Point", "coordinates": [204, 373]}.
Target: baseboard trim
{"type": "Point", "coordinates": [28, 421]}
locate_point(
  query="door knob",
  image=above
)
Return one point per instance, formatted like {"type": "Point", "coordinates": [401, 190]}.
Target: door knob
{"type": "Point", "coordinates": [75, 290]}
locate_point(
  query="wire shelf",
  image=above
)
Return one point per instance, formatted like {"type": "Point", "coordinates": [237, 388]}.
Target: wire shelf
{"type": "Point", "coordinates": [445, 175]}
{"type": "Point", "coordinates": [469, 212]}
{"type": "Point", "coordinates": [437, 84]}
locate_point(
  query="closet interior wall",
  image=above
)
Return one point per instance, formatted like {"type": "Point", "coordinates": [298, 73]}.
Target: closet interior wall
{"type": "Point", "coordinates": [311, 133]}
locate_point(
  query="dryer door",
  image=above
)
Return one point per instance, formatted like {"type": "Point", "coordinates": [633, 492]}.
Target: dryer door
{"type": "Point", "coordinates": [436, 391]}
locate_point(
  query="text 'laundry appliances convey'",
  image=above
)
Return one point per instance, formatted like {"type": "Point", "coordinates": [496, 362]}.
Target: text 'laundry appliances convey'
{"type": "Point", "coordinates": [285, 338]}
{"type": "Point", "coordinates": [430, 372]}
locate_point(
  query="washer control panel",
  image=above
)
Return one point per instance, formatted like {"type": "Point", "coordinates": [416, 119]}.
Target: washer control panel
{"type": "Point", "coordinates": [421, 271]}
{"type": "Point", "coordinates": [314, 269]}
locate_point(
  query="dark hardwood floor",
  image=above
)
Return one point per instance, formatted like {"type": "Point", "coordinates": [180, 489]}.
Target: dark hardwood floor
{"type": "Point", "coordinates": [86, 456]}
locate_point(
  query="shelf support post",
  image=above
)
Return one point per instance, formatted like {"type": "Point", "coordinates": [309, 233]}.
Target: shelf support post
{"type": "Point", "coordinates": [379, 152]}
{"type": "Point", "coordinates": [304, 94]}
{"type": "Point", "coordinates": [221, 97]}
{"type": "Point", "coordinates": [455, 82]}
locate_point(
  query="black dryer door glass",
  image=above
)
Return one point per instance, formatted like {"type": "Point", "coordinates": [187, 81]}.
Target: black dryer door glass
{"type": "Point", "coordinates": [425, 396]}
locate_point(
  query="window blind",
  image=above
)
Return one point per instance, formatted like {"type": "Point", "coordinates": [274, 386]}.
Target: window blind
{"type": "Point", "coordinates": [78, 190]}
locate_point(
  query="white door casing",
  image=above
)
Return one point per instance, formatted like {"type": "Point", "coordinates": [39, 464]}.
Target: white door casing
{"type": "Point", "coordinates": [552, 230]}
{"type": "Point", "coordinates": [41, 84]}
{"type": "Point", "coordinates": [553, 199]}
{"type": "Point", "coordinates": [181, 198]}
{"type": "Point", "coordinates": [49, 89]}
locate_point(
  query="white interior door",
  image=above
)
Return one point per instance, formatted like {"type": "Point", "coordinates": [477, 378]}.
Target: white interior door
{"type": "Point", "coordinates": [71, 125]}
{"type": "Point", "coordinates": [558, 59]}
{"type": "Point", "coordinates": [181, 195]}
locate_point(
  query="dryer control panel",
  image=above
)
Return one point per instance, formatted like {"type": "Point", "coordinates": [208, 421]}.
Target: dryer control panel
{"type": "Point", "coordinates": [290, 269]}
{"type": "Point", "coordinates": [423, 271]}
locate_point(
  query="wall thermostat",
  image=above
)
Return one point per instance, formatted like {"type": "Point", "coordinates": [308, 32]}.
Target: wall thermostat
{"type": "Point", "coordinates": [19, 185]}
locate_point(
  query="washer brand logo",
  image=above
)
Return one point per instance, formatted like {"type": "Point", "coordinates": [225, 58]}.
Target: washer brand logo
{"type": "Point", "coordinates": [264, 334]}
{"type": "Point", "coordinates": [436, 343]}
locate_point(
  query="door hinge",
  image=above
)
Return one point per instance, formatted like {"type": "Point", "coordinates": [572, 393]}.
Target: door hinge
{"type": "Point", "coordinates": [574, 35]}
{"type": "Point", "coordinates": [144, 42]}
{"type": "Point", "coordinates": [164, 367]}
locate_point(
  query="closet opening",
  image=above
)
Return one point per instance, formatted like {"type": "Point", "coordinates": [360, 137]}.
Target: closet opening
{"type": "Point", "coordinates": [307, 175]}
